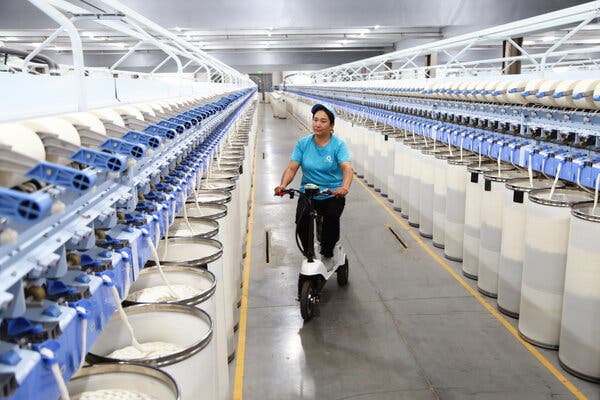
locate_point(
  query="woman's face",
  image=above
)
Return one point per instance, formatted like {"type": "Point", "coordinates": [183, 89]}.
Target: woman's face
{"type": "Point", "coordinates": [321, 124]}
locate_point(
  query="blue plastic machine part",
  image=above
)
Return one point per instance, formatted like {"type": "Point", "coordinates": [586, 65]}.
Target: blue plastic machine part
{"type": "Point", "coordinates": [180, 121]}
{"type": "Point", "coordinates": [166, 124]}
{"type": "Point", "coordinates": [124, 147]}
{"type": "Point", "coordinates": [22, 206]}
{"type": "Point", "coordinates": [142, 138]}
{"type": "Point", "coordinates": [194, 116]}
{"type": "Point", "coordinates": [10, 357]}
{"type": "Point", "coordinates": [100, 160]}
{"type": "Point", "coordinates": [163, 132]}
{"type": "Point", "coordinates": [58, 288]}
{"type": "Point", "coordinates": [189, 117]}
{"type": "Point", "coordinates": [62, 351]}
{"type": "Point", "coordinates": [60, 175]}
{"type": "Point", "coordinates": [22, 326]}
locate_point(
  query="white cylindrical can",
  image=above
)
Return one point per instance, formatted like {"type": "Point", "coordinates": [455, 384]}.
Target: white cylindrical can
{"type": "Point", "coordinates": [427, 191]}
{"type": "Point", "coordinates": [474, 192]}
{"type": "Point", "coordinates": [579, 351]}
{"type": "Point", "coordinates": [191, 333]}
{"type": "Point", "coordinates": [202, 284]}
{"type": "Point", "coordinates": [492, 205]}
{"type": "Point", "coordinates": [440, 165]}
{"type": "Point", "coordinates": [456, 185]}
{"type": "Point", "coordinates": [416, 164]}
{"type": "Point", "coordinates": [546, 243]}
{"type": "Point", "coordinates": [117, 381]}
{"type": "Point", "coordinates": [512, 249]}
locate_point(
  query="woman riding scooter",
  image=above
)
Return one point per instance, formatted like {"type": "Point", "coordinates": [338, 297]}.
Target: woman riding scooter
{"type": "Point", "coordinates": [325, 162]}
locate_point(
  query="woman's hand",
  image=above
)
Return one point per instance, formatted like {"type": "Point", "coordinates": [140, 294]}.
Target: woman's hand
{"type": "Point", "coordinates": [341, 192]}
{"type": "Point", "coordinates": [278, 190]}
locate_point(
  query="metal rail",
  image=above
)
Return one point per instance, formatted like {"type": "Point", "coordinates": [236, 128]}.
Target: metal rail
{"type": "Point", "coordinates": [126, 21]}
{"type": "Point", "coordinates": [401, 64]}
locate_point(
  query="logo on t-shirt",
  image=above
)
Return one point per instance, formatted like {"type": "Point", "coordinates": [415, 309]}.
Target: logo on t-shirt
{"type": "Point", "coordinates": [328, 159]}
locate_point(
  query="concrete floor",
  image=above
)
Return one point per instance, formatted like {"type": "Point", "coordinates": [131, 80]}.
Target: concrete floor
{"type": "Point", "coordinates": [403, 328]}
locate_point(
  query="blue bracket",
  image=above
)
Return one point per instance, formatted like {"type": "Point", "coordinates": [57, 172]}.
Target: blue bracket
{"type": "Point", "coordinates": [60, 175]}
{"type": "Point", "coordinates": [551, 165]}
{"type": "Point", "coordinates": [581, 95]}
{"type": "Point", "coordinates": [161, 131]}
{"type": "Point", "coordinates": [571, 166]}
{"type": "Point", "coordinates": [538, 159]}
{"type": "Point", "coordinates": [477, 141]}
{"type": "Point", "coordinates": [24, 206]}
{"type": "Point", "coordinates": [142, 138]}
{"type": "Point", "coordinates": [180, 121]}
{"type": "Point", "coordinates": [100, 160]}
{"type": "Point", "coordinates": [189, 117]}
{"type": "Point", "coordinates": [123, 147]}
{"type": "Point", "coordinates": [22, 326]}
{"type": "Point", "coordinates": [496, 148]}
{"type": "Point", "coordinates": [589, 172]}
{"type": "Point", "coordinates": [166, 124]}
{"type": "Point", "coordinates": [193, 114]}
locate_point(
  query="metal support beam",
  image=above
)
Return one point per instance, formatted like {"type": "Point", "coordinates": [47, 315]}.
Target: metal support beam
{"type": "Point", "coordinates": [129, 53]}
{"type": "Point", "coordinates": [77, 49]}
{"type": "Point", "coordinates": [430, 63]}
{"type": "Point", "coordinates": [510, 50]}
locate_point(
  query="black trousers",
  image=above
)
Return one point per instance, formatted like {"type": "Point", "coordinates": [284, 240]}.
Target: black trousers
{"type": "Point", "coordinates": [330, 211]}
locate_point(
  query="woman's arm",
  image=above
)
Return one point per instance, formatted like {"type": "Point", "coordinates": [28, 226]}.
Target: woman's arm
{"type": "Point", "coordinates": [288, 176]}
{"type": "Point", "coordinates": [347, 174]}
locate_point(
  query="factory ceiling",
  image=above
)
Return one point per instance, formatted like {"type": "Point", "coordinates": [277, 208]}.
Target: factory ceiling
{"type": "Point", "coordinates": [269, 35]}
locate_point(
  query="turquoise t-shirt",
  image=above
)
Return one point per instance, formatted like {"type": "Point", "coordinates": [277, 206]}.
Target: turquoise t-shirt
{"type": "Point", "coordinates": [321, 165]}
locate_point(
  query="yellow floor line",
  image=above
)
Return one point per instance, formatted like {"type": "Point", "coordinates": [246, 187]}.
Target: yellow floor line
{"type": "Point", "coordinates": [241, 348]}
{"type": "Point", "coordinates": [557, 374]}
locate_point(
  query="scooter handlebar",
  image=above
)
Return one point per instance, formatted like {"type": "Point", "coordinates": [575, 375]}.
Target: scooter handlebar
{"type": "Point", "coordinates": [291, 192]}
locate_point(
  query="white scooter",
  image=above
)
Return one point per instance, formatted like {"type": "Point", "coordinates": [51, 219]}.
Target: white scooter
{"type": "Point", "coordinates": [314, 273]}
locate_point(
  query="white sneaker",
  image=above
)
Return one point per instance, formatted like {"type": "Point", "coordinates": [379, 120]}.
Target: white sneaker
{"type": "Point", "coordinates": [329, 263]}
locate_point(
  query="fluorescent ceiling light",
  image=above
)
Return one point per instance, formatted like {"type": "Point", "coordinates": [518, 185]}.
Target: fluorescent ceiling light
{"type": "Point", "coordinates": [34, 44]}
{"type": "Point", "coordinates": [9, 39]}
{"type": "Point", "coordinates": [549, 38]}
{"type": "Point", "coordinates": [591, 27]}
{"type": "Point", "coordinates": [529, 42]}
{"type": "Point", "coordinates": [376, 27]}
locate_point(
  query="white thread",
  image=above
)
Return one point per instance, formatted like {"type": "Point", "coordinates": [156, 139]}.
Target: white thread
{"type": "Point", "coordinates": [596, 193]}
{"type": "Point", "coordinates": [60, 382]}
{"type": "Point", "coordinates": [555, 180]}
{"type": "Point", "coordinates": [84, 326]}
{"type": "Point", "coordinates": [530, 169]}
{"type": "Point", "coordinates": [185, 216]}
{"type": "Point", "coordinates": [160, 270]}
{"type": "Point", "coordinates": [499, 171]}
{"type": "Point", "coordinates": [124, 318]}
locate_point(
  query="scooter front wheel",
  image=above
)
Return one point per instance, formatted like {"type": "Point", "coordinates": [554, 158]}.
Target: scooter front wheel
{"type": "Point", "coordinates": [308, 300]}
